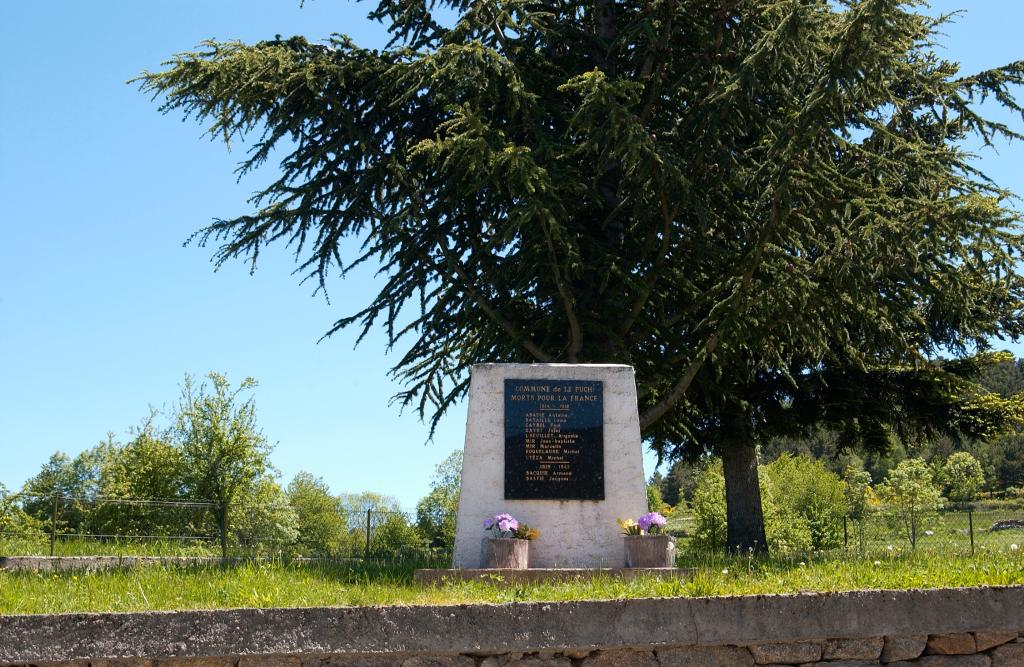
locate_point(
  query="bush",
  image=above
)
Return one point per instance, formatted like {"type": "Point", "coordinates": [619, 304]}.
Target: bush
{"type": "Point", "coordinates": [708, 507]}
{"type": "Point", "coordinates": [808, 494]}
{"type": "Point", "coordinates": [962, 477]}
{"type": "Point", "coordinates": [803, 506]}
{"type": "Point", "coordinates": [654, 501]}
{"type": "Point", "coordinates": [911, 498]}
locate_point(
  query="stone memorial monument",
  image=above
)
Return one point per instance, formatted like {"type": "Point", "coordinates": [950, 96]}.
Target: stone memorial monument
{"type": "Point", "coordinates": [558, 447]}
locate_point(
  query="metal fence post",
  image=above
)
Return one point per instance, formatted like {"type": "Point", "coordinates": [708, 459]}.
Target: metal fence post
{"type": "Point", "coordinates": [368, 513]}
{"type": "Point", "coordinates": [53, 524]}
{"type": "Point", "coordinates": [970, 528]}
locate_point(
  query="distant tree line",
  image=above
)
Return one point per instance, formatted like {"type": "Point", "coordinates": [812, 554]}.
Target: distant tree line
{"type": "Point", "coordinates": [1001, 458]}
{"type": "Point", "coordinates": [207, 473]}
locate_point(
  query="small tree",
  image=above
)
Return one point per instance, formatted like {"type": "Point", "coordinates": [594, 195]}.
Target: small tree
{"type": "Point", "coordinates": [654, 501]}
{"type": "Point", "coordinates": [320, 515]}
{"type": "Point", "coordinates": [962, 477]}
{"type": "Point", "coordinates": [436, 512]}
{"type": "Point", "coordinates": [223, 452]}
{"type": "Point", "coordinates": [262, 520]}
{"type": "Point", "coordinates": [859, 498]}
{"type": "Point", "coordinates": [812, 494]}
{"type": "Point", "coordinates": [911, 496]}
{"type": "Point", "coordinates": [709, 531]}
{"type": "Point", "coordinates": [13, 519]}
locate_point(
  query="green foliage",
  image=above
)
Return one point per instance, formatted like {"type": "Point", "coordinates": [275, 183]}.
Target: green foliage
{"type": "Point", "coordinates": [911, 498]}
{"type": "Point", "coordinates": [436, 512]}
{"type": "Point", "coordinates": [808, 494]}
{"type": "Point", "coordinates": [654, 501]}
{"type": "Point", "coordinates": [803, 504]}
{"type": "Point", "coordinates": [262, 520]}
{"type": "Point", "coordinates": [962, 477]}
{"type": "Point", "coordinates": [14, 519]}
{"type": "Point", "coordinates": [858, 493]}
{"type": "Point", "coordinates": [224, 454]}
{"type": "Point", "coordinates": [320, 516]}
{"type": "Point", "coordinates": [708, 506]}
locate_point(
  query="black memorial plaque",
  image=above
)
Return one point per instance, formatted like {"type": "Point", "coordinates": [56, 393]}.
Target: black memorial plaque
{"type": "Point", "coordinates": [554, 439]}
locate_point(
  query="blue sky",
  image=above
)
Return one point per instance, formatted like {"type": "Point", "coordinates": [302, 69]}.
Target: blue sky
{"type": "Point", "coordinates": [102, 311]}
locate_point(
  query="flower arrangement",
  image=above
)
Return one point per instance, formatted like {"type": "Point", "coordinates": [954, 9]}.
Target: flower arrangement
{"type": "Point", "coordinates": [506, 525]}
{"type": "Point", "coordinates": [648, 524]}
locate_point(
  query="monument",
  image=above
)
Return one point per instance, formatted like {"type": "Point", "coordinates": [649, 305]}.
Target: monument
{"type": "Point", "coordinates": [558, 447]}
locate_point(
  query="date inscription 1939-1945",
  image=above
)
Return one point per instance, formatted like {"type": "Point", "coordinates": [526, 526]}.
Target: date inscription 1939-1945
{"type": "Point", "coordinates": [554, 439]}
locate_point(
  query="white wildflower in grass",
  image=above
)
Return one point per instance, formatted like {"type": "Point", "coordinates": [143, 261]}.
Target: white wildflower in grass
{"type": "Point", "coordinates": [1013, 547]}
{"type": "Point", "coordinates": [802, 564]}
{"type": "Point", "coordinates": [889, 547]}
{"type": "Point", "coordinates": [878, 562]}
{"type": "Point", "coordinates": [929, 533]}
{"type": "Point", "coordinates": [725, 571]}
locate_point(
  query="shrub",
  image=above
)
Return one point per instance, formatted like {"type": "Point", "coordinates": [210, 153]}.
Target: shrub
{"type": "Point", "coordinates": [803, 505]}
{"type": "Point", "coordinates": [962, 477]}
{"type": "Point", "coordinates": [708, 507]}
{"type": "Point", "coordinates": [654, 501]}
{"type": "Point", "coordinates": [911, 498]}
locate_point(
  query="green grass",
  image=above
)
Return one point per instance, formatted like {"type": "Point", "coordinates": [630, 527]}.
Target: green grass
{"type": "Point", "coordinates": [946, 533]}
{"type": "Point", "coordinates": [279, 584]}
{"type": "Point", "coordinates": [71, 545]}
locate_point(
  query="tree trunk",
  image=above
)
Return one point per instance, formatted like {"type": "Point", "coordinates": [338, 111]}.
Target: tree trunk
{"type": "Point", "coordinates": [744, 516]}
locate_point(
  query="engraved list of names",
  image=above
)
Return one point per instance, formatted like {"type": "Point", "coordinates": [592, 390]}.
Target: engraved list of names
{"type": "Point", "coordinates": [554, 439]}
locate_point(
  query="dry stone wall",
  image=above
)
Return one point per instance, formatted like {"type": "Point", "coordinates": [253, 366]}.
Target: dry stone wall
{"type": "Point", "coordinates": [982, 627]}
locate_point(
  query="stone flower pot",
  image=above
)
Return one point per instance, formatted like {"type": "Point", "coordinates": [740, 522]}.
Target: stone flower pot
{"type": "Point", "coordinates": [506, 553]}
{"type": "Point", "coordinates": [650, 550]}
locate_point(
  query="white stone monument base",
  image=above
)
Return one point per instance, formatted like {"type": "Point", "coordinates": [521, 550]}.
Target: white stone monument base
{"type": "Point", "coordinates": [573, 533]}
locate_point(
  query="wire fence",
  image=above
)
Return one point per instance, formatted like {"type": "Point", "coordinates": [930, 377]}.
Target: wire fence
{"type": "Point", "coordinates": [959, 530]}
{"type": "Point", "coordinates": [70, 525]}
{"type": "Point", "coordinates": [67, 525]}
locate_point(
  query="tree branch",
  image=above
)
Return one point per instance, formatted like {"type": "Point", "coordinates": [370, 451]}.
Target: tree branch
{"type": "Point", "coordinates": [575, 334]}
{"type": "Point", "coordinates": [668, 215]}
{"type": "Point", "coordinates": [658, 410]}
{"type": "Point", "coordinates": [517, 335]}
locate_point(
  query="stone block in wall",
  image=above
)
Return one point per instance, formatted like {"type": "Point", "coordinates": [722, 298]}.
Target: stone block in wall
{"type": "Point", "coordinates": [960, 643]}
{"type": "Point", "coordinates": [1008, 655]}
{"type": "Point", "coordinates": [987, 640]}
{"type": "Point", "coordinates": [705, 656]}
{"type": "Point", "coordinates": [853, 649]}
{"type": "Point", "coordinates": [977, 660]}
{"type": "Point", "coordinates": [119, 662]}
{"type": "Point", "coordinates": [842, 663]}
{"type": "Point", "coordinates": [439, 661]}
{"type": "Point", "coordinates": [269, 661]}
{"type": "Point", "coordinates": [354, 660]}
{"type": "Point", "coordinates": [904, 647]}
{"type": "Point", "coordinates": [621, 658]}
{"type": "Point", "coordinates": [218, 661]}
{"type": "Point", "coordinates": [786, 653]}
{"type": "Point", "coordinates": [540, 661]}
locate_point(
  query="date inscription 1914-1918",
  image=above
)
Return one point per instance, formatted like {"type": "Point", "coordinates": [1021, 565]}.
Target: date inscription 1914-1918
{"type": "Point", "coordinates": [554, 439]}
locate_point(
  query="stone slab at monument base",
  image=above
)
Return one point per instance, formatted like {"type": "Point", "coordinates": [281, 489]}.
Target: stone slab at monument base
{"type": "Point", "coordinates": [600, 461]}
{"type": "Point", "coordinates": [536, 575]}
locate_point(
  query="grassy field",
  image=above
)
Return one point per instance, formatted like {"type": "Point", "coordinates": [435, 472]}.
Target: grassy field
{"type": "Point", "coordinates": [72, 545]}
{"type": "Point", "coordinates": [947, 533]}
{"type": "Point", "coordinates": [279, 584]}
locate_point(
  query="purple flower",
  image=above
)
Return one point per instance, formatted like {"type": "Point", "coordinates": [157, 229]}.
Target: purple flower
{"type": "Point", "coordinates": [501, 524]}
{"type": "Point", "coordinates": [651, 522]}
